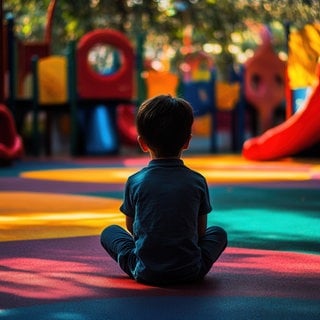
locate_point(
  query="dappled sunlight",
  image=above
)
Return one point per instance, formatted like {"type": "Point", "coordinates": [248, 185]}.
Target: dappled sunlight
{"type": "Point", "coordinates": [216, 169]}
{"type": "Point", "coordinates": [96, 175]}
{"type": "Point", "coordinates": [315, 172]}
{"type": "Point", "coordinates": [77, 217]}
{"type": "Point", "coordinates": [238, 161]}
{"type": "Point", "coordinates": [277, 219]}
{"type": "Point", "coordinates": [213, 173]}
{"type": "Point", "coordinates": [15, 202]}
{"type": "Point", "coordinates": [249, 175]}
{"type": "Point", "coordinates": [268, 206]}
{"type": "Point", "coordinates": [237, 169]}
{"type": "Point", "coordinates": [67, 276]}
{"type": "Point", "coordinates": [47, 279]}
{"type": "Point", "coordinates": [268, 262]}
{"type": "Point", "coordinates": [42, 215]}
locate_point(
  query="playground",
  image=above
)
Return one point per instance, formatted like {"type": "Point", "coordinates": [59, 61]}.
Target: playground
{"type": "Point", "coordinates": [53, 266]}
{"type": "Point", "coordinates": [68, 143]}
{"type": "Point", "coordinates": [86, 99]}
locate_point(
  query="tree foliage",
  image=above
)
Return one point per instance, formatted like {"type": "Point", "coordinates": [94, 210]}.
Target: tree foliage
{"type": "Point", "coordinates": [163, 21]}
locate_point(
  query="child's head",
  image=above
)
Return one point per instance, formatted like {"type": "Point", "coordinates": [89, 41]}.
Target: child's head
{"type": "Point", "coordinates": [164, 123]}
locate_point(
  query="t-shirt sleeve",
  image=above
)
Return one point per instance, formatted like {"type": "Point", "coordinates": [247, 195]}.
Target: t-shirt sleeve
{"type": "Point", "coordinates": [127, 206]}
{"type": "Point", "coordinates": [205, 206]}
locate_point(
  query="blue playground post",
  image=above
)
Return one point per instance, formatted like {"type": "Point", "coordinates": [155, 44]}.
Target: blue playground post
{"type": "Point", "coordinates": [101, 137]}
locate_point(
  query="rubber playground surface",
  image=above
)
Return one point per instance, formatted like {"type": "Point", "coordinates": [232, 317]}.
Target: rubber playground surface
{"type": "Point", "coordinates": [53, 267]}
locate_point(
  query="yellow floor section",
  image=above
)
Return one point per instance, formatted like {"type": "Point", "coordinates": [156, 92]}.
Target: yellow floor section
{"type": "Point", "coordinates": [217, 169]}
{"type": "Point", "coordinates": [34, 215]}
{"type": "Point", "coordinates": [29, 215]}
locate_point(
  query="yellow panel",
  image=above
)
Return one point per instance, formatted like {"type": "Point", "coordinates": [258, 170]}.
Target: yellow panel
{"type": "Point", "coordinates": [53, 80]}
{"type": "Point", "coordinates": [227, 95]}
{"type": "Point", "coordinates": [304, 53]}
{"type": "Point", "coordinates": [161, 83]}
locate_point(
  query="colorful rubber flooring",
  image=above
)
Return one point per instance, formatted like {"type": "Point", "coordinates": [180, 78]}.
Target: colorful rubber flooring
{"type": "Point", "coordinates": [53, 267]}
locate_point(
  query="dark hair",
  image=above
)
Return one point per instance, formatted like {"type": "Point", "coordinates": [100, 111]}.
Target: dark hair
{"type": "Point", "coordinates": [165, 123]}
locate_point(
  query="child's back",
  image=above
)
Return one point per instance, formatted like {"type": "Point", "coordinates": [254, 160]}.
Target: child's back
{"type": "Point", "coordinates": [165, 200]}
{"type": "Point", "coordinates": [166, 204]}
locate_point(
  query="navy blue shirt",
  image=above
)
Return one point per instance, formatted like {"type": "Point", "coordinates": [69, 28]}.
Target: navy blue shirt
{"type": "Point", "coordinates": [165, 200]}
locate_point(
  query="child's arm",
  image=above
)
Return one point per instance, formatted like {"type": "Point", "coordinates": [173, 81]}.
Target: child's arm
{"type": "Point", "coordinates": [202, 225]}
{"type": "Point", "coordinates": [129, 224]}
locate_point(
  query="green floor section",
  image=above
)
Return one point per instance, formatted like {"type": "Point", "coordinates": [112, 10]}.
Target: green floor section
{"type": "Point", "coordinates": [264, 218]}
{"type": "Point", "coordinates": [268, 218]}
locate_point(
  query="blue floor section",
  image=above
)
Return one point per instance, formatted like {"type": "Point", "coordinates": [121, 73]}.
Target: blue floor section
{"type": "Point", "coordinates": [177, 308]}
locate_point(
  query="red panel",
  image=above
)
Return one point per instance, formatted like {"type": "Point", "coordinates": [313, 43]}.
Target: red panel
{"type": "Point", "coordinates": [92, 85]}
{"type": "Point", "coordinates": [10, 142]}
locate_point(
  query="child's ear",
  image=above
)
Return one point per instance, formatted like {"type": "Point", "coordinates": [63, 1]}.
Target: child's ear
{"type": "Point", "coordinates": [142, 144]}
{"type": "Point", "coordinates": [186, 145]}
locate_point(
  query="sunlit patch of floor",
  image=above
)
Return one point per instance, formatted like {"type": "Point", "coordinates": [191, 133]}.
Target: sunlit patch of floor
{"type": "Point", "coordinates": [216, 169]}
{"type": "Point", "coordinates": [34, 215]}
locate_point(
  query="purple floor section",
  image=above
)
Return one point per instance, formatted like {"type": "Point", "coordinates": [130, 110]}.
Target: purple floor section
{"type": "Point", "coordinates": [73, 278]}
{"type": "Point", "coordinates": [47, 271]}
{"type": "Point", "coordinates": [34, 185]}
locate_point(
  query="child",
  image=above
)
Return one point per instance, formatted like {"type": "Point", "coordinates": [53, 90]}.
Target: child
{"type": "Point", "coordinates": [165, 204]}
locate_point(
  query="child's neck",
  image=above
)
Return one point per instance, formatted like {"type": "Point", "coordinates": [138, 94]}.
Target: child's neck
{"type": "Point", "coordinates": [155, 157]}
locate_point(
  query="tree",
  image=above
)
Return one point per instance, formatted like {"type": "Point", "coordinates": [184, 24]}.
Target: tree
{"type": "Point", "coordinates": [224, 23]}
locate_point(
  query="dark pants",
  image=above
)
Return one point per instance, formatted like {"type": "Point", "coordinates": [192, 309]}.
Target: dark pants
{"type": "Point", "coordinates": [120, 245]}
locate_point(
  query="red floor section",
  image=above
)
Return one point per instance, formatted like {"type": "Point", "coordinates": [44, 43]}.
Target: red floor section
{"type": "Point", "coordinates": [43, 271]}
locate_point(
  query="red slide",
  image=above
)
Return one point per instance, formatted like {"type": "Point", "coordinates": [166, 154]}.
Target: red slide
{"type": "Point", "coordinates": [126, 124]}
{"type": "Point", "coordinates": [299, 132]}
